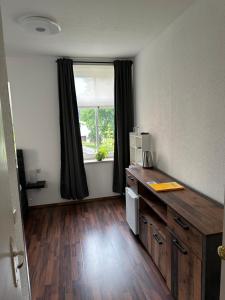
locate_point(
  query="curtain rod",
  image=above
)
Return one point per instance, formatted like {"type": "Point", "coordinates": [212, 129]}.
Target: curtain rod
{"type": "Point", "coordinates": [92, 62]}
{"type": "Point", "coordinates": [77, 61]}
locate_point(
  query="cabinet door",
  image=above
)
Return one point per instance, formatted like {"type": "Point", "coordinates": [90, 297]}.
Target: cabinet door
{"type": "Point", "coordinates": [149, 237]}
{"type": "Point", "coordinates": [185, 271]}
{"type": "Point", "coordinates": [143, 230]}
{"type": "Point", "coordinates": [159, 251]}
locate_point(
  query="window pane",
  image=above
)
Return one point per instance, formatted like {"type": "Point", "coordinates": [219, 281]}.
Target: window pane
{"type": "Point", "coordinates": [88, 132]}
{"type": "Point", "coordinates": [106, 129]}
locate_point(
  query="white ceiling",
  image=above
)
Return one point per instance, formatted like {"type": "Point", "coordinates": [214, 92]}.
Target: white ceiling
{"type": "Point", "coordinates": [90, 28]}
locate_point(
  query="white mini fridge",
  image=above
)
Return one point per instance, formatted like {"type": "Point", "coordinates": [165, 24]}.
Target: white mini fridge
{"type": "Point", "coordinates": [132, 205]}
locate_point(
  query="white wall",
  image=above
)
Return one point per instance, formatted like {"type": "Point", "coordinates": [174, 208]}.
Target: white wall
{"type": "Point", "coordinates": [180, 97]}
{"type": "Point", "coordinates": [34, 92]}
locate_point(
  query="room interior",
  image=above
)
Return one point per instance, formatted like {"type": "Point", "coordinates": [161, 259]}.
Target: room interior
{"type": "Point", "coordinates": [141, 83]}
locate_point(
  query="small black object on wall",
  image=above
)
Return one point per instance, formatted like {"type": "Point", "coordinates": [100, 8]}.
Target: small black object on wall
{"type": "Point", "coordinates": [36, 185]}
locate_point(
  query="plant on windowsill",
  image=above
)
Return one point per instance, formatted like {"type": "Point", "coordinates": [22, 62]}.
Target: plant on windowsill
{"type": "Point", "coordinates": [101, 154]}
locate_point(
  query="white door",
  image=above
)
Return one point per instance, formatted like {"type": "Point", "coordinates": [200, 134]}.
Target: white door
{"type": "Point", "coordinates": [222, 283]}
{"type": "Point", "coordinates": [12, 250]}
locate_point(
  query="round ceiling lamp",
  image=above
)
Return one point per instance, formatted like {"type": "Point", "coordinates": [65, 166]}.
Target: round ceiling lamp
{"type": "Point", "coordinates": [39, 24]}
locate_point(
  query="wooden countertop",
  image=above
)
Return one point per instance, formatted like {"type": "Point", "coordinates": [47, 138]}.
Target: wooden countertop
{"type": "Point", "coordinates": [202, 212]}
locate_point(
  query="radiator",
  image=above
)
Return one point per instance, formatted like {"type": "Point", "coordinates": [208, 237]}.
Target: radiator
{"type": "Point", "coordinates": [132, 210]}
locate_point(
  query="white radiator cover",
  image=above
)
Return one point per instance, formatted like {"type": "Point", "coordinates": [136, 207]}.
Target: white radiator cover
{"type": "Point", "coordinates": [132, 203]}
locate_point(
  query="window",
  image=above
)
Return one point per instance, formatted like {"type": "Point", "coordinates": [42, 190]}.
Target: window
{"type": "Point", "coordinates": [95, 99]}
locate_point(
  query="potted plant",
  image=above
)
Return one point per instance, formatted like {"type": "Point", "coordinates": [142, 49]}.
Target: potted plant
{"type": "Point", "coordinates": [101, 154]}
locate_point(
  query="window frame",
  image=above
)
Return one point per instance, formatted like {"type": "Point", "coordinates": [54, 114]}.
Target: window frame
{"type": "Point", "coordinates": [93, 157]}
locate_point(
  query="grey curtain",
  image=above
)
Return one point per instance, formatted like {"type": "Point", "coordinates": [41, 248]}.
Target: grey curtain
{"type": "Point", "coordinates": [124, 121]}
{"type": "Point", "coordinates": [73, 184]}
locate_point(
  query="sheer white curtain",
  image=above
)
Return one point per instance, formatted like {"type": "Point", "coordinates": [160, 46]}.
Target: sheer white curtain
{"type": "Point", "coordinates": [94, 85]}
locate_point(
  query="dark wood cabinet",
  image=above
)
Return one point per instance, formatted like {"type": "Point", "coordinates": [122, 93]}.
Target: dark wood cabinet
{"type": "Point", "coordinates": [152, 233]}
{"type": "Point", "coordinates": [184, 272]}
{"type": "Point", "coordinates": [181, 230]}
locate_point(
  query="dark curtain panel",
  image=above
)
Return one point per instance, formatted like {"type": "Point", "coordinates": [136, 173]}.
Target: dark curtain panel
{"type": "Point", "coordinates": [124, 121]}
{"type": "Point", "coordinates": [73, 178]}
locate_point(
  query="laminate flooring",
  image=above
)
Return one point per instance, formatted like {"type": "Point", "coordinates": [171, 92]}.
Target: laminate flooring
{"type": "Point", "coordinates": [87, 251]}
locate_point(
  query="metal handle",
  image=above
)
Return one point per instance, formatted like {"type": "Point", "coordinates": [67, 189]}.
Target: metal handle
{"type": "Point", "coordinates": [14, 261]}
{"type": "Point", "coordinates": [180, 222]}
{"type": "Point", "coordinates": [178, 245]}
{"type": "Point", "coordinates": [221, 252]}
{"type": "Point", "coordinates": [144, 221]}
{"type": "Point", "coordinates": [19, 253]}
{"type": "Point", "coordinates": [158, 240]}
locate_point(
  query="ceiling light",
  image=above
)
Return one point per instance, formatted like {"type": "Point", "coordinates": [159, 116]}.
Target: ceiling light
{"type": "Point", "coordinates": [39, 24]}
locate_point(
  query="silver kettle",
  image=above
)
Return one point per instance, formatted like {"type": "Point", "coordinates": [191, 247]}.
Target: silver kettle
{"type": "Point", "coordinates": [147, 159]}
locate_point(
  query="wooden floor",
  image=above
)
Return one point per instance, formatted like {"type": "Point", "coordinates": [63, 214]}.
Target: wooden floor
{"type": "Point", "coordinates": [86, 251]}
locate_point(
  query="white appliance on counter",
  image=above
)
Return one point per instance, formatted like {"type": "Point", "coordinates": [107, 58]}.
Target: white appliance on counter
{"type": "Point", "coordinates": [132, 206]}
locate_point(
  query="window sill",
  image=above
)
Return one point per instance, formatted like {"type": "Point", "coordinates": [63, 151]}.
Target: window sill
{"type": "Point", "coordinates": [94, 161]}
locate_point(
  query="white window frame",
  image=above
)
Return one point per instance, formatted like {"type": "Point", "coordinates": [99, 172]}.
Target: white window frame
{"type": "Point", "coordinates": [93, 157]}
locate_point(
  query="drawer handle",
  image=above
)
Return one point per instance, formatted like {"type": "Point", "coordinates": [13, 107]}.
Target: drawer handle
{"type": "Point", "coordinates": [144, 220]}
{"type": "Point", "coordinates": [131, 178]}
{"type": "Point", "coordinates": [178, 245]}
{"type": "Point", "coordinates": [181, 223]}
{"type": "Point", "coordinates": [158, 240]}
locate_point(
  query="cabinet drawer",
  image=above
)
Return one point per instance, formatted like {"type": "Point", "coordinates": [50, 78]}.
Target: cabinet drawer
{"type": "Point", "coordinates": [131, 181]}
{"type": "Point", "coordinates": [186, 232]}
